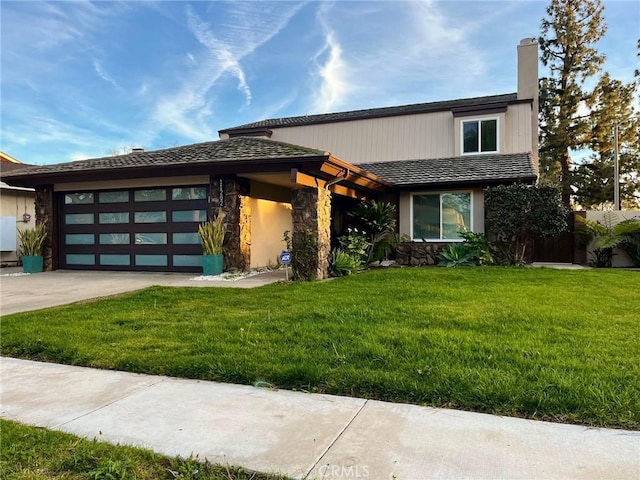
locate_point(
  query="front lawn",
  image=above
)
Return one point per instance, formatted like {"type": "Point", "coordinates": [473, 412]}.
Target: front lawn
{"type": "Point", "coordinates": [538, 343]}
{"type": "Point", "coordinates": [36, 453]}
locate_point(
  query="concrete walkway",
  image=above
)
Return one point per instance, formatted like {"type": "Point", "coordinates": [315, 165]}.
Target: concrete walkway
{"type": "Point", "coordinates": [304, 435]}
{"type": "Point", "coordinates": [22, 293]}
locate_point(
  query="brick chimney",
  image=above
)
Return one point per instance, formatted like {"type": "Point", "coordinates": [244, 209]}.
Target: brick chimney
{"type": "Point", "coordinates": [528, 86]}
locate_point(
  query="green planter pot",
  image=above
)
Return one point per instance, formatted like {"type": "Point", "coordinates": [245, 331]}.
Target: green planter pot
{"type": "Point", "coordinates": [212, 264]}
{"type": "Point", "coordinates": [32, 264]}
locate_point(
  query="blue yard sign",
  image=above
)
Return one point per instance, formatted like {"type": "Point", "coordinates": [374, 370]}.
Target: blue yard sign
{"type": "Point", "coordinates": [285, 258]}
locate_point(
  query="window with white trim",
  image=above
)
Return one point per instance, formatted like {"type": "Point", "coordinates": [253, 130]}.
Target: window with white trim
{"type": "Point", "coordinates": [440, 216]}
{"type": "Point", "coordinates": [480, 136]}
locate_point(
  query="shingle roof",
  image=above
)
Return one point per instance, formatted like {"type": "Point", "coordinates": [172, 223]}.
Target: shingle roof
{"type": "Point", "coordinates": [234, 149]}
{"type": "Point", "coordinates": [489, 101]}
{"type": "Point", "coordinates": [465, 169]}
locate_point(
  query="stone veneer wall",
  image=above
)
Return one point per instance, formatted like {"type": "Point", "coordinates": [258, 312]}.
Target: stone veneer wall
{"type": "Point", "coordinates": [311, 208]}
{"type": "Point", "coordinates": [45, 213]}
{"type": "Point", "coordinates": [235, 204]}
{"type": "Point", "coordinates": [418, 253]}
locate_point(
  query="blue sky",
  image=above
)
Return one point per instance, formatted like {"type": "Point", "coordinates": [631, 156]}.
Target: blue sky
{"type": "Point", "coordinates": [80, 78]}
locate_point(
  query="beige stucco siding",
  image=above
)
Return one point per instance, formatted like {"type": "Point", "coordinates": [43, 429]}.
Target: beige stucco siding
{"type": "Point", "coordinates": [406, 137]}
{"type": "Point", "coordinates": [269, 221]}
{"type": "Point", "coordinates": [477, 209]}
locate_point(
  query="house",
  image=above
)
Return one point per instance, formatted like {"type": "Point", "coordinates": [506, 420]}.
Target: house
{"type": "Point", "coordinates": [17, 211]}
{"type": "Point", "coordinates": [141, 211]}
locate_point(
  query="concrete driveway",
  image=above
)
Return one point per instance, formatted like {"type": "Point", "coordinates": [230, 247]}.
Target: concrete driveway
{"type": "Point", "coordinates": [22, 293]}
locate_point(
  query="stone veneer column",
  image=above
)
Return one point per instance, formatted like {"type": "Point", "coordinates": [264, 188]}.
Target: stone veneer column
{"type": "Point", "coordinates": [45, 213]}
{"type": "Point", "coordinates": [235, 203]}
{"type": "Point", "coordinates": [311, 209]}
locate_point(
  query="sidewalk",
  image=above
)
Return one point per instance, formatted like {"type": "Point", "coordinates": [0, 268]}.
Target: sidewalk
{"type": "Point", "coordinates": [305, 435]}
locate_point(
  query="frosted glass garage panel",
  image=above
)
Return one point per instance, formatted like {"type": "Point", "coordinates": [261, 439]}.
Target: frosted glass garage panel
{"type": "Point", "coordinates": [115, 260]}
{"type": "Point", "coordinates": [114, 239]}
{"type": "Point", "coordinates": [158, 195]}
{"type": "Point", "coordinates": [189, 216]}
{"type": "Point", "coordinates": [189, 193]}
{"type": "Point", "coordinates": [151, 238]}
{"type": "Point", "coordinates": [114, 217]}
{"type": "Point", "coordinates": [81, 259]}
{"type": "Point", "coordinates": [79, 239]}
{"type": "Point", "coordinates": [150, 217]}
{"type": "Point", "coordinates": [78, 198]}
{"type": "Point", "coordinates": [186, 238]}
{"type": "Point", "coordinates": [151, 260]}
{"type": "Point", "coordinates": [78, 219]}
{"type": "Point", "coordinates": [187, 260]}
{"type": "Point", "coordinates": [113, 197]}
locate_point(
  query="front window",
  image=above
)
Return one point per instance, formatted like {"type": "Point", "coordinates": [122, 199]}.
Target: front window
{"type": "Point", "coordinates": [441, 216]}
{"type": "Point", "coordinates": [480, 136]}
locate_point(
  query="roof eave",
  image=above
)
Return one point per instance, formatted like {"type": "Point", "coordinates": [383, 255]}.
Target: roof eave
{"type": "Point", "coordinates": [225, 167]}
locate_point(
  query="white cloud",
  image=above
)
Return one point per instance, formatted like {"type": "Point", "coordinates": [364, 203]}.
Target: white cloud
{"type": "Point", "coordinates": [97, 67]}
{"type": "Point", "coordinates": [333, 86]}
{"type": "Point", "coordinates": [187, 111]}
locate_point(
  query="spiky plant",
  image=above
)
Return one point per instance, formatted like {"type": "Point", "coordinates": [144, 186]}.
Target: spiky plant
{"type": "Point", "coordinates": [32, 240]}
{"type": "Point", "coordinates": [212, 235]}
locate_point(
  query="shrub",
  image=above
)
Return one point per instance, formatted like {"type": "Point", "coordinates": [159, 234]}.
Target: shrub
{"type": "Point", "coordinates": [304, 253]}
{"type": "Point", "coordinates": [377, 222]}
{"type": "Point", "coordinates": [355, 244]}
{"type": "Point", "coordinates": [480, 244]}
{"type": "Point", "coordinates": [342, 263]}
{"type": "Point", "coordinates": [516, 213]}
{"type": "Point", "coordinates": [458, 255]}
{"type": "Point", "coordinates": [607, 235]}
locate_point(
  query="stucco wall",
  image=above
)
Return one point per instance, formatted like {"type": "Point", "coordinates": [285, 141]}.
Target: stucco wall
{"type": "Point", "coordinates": [14, 203]}
{"type": "Point", "coordinates": [269, 220]}
{"type": "Point", "coordinates": [620, 258]}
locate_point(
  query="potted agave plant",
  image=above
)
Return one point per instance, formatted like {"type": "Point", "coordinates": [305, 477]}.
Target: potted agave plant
{"type": "Point", "coordinates": [212, 236]}
{"type": "Point", "coordinates": [31, 245]}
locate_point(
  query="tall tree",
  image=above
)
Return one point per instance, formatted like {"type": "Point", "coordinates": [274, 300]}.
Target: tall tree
{"type": "Point", "coordinates": [570, 31]}
{"type": "Point", "coordinates": [612, 104]}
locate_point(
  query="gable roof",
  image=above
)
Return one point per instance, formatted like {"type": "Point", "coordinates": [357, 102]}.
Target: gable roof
{"type": "Point", "coordinates": [494, 101]}
{"type": "Point", "coordinates": [468, 169]}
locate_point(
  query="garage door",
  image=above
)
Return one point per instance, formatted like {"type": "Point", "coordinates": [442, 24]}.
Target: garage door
{"type": "Point", "coordinates": [152, 229]}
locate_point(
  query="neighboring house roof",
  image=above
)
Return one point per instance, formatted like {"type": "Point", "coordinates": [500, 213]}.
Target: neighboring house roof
{"type": "Point", "coordinates": [467, 169]}
{"type": "Point", "coordinates": [6, 158]}
{"type": "Point", "coordinates": [494, 101]}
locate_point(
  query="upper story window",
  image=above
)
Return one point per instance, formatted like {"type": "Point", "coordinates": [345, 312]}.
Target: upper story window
{"type": "Point", "coordinates": [480, 136]}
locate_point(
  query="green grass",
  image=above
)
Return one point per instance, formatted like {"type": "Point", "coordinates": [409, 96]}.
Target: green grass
{"type": "Point", "coordinates": [538, 343]}
{"type": "Point", "coordinates": [35, 453]}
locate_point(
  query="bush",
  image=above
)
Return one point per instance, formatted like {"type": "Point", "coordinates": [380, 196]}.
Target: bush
{"type": "Point", "coordinates": [516, 213]}
{"type": "Point", "coordinates": [304, 253]}
{"type": "Point", "coordinates": [377, 222]}
{"type": "Point", "coordinates": [343, 263]}
{"type": "Point", "coordinates": [458, 255]}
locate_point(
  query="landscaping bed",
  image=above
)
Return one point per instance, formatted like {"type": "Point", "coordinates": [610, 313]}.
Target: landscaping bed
{"type": "Point", "coordinates": [537, 343]}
